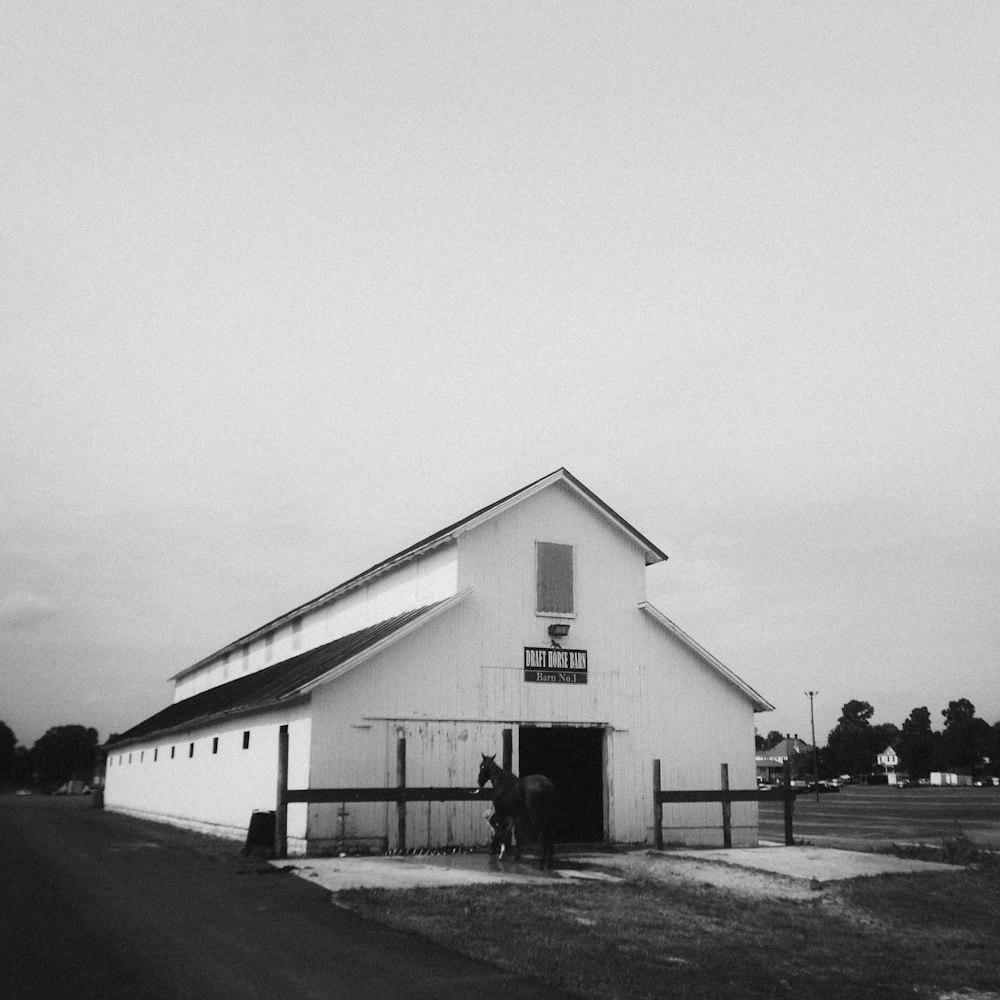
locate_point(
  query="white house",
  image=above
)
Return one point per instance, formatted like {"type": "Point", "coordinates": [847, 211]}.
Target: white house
{"type": "Point", "coordinates": [771, 763]}
{"type": "Point", "coordinates": [448, 644]}
{"type": "Point", "coordinates": [888, 760]}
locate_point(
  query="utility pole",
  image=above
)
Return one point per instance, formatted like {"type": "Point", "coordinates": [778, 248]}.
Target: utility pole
{"type": "Point", "coordinates": [812, 720]}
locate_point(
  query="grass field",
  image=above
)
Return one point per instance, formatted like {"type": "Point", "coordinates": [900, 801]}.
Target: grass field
{"type": "Point", "coordinates": [863, 817]}
{"type": "Point", "coordinates": [924, 936]}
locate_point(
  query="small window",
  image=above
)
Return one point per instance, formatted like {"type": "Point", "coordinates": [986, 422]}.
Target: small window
{"type": "Point", "coordinates": [142, 756]}
{"type": "Point", "coordinates": [130, 758]}
{"type": "Point", "coordinates": [172, 751]}
{"type": "Point", "coordinates": [190, 749]}
{"type": "Point", "coordinates": [246, 739]}
{"type": "Point", "coordinates": [215, 744]}
{"type": "Point", "coordinates": [555, 578]}
{"type": "Point", "coordinates": [156, 754]}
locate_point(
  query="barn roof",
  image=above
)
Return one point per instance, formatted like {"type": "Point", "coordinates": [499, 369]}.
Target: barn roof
{"type": "Point", "coordinates": [652, 553]}
{"type": "Point", "coordinates": [759, 704]}
{"type": "Point", "coordinates": [286, 681]}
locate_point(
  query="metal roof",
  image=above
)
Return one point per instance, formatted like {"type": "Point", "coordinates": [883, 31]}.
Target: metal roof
{"type": "Point", "coordinates": [283, 682]}
{"type": "Point", "coordinates": [652, 553]}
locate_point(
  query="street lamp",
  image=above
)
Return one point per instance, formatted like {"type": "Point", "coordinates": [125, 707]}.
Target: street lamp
{"type": "Point", "coordinates": [812, 720]}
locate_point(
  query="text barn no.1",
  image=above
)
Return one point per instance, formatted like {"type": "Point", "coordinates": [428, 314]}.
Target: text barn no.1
{"type": "Point", "coordinates": [545, 665]}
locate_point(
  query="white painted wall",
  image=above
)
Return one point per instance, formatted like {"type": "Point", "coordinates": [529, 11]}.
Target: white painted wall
{"type": "Point", "coordinates": [430, 578]}
{"type": "Point", "coordinates": [455, 683]}
{"type": "Point", "coordinates": [213, 792]}
{"type": "Point", "coordinates": [451, 686]}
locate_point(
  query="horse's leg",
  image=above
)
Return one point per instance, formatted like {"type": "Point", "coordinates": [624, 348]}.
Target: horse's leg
{"type": "Point", "coordinates": [547, 846]}
{"type": "Point", "coordinates": [515, 836]}
{"type": "Point", "coordinates": [497, 838]}
{"type": "Point", "coordinates": [508, 836]}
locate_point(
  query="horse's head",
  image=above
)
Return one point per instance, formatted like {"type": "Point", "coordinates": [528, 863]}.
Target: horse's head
{"type": "Point", "coordinates": [486, 769]}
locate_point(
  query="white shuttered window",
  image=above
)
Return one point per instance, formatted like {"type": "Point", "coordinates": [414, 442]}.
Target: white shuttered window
{"type": "Point", "coordinates": [555, 578]}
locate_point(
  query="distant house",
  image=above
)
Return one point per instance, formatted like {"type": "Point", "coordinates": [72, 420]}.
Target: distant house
{"type": "Point", "coordinates": [771, 763]}
{"type": "Point", "coordinates": [888, 761]}
{"type": "Point", "coordinates": [444, 652]}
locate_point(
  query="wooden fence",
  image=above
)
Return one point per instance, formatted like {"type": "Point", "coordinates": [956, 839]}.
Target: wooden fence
{"type": "Point", "coordinates": [726, 796]}
{"type": "Point", "coordinates": [401, 793]}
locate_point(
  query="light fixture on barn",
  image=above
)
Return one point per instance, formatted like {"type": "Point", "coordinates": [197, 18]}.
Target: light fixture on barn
{"type": "Point", "coordinates": [558, 631]}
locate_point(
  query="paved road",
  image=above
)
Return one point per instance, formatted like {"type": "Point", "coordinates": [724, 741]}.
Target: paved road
{"type": "Point", "coordinates": [98, 905]}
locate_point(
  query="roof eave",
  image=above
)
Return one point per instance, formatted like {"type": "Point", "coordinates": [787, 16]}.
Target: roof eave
{"type": "Point", "coordinates": [760, 704]}
{"type": "Point", "coordinates": [208, 720]}
{"type": "Point", "coordinates": [651, 553]}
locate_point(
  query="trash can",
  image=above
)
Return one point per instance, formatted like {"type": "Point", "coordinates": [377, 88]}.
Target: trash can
{"type": "Point", "coordinates": [260, 834]}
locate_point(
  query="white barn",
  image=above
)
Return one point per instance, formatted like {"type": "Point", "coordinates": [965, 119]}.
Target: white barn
{"type": "Point", "coordinates": [448, 644]}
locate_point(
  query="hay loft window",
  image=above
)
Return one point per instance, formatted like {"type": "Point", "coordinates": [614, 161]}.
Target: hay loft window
{"type": "Point", "coordinates": [554, 578]}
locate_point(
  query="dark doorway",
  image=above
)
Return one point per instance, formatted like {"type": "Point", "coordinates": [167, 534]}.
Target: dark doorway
{"type": "Point", "coordinates": [572, 758]}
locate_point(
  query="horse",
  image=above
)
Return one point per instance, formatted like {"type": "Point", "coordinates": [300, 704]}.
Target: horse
{"type": "Point", "coordinates": [522, 805]}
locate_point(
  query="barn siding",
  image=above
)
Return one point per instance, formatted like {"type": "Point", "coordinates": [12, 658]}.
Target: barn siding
{"type": "Point", "coordinates": [213, 793]}
{"type": "Point", "coordinates": [454, 684]}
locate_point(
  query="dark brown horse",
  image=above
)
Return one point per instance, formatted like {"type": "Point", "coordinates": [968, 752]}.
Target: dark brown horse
{"type": "Point", "coordinates": [521, 806]}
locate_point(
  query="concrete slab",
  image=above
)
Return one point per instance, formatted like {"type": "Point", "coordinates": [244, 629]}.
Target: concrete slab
{"type": "Point", "coordinates": [337, 874]}
{"type": "Point", "coordinates": [815, 864]}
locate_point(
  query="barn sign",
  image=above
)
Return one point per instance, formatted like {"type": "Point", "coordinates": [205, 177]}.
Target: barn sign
{"type": "Point", "coordinates": [547, 665]}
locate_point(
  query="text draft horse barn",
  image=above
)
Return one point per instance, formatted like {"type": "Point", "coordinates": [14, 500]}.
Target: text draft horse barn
{"type": "Point", "coordinates": [529, 616]}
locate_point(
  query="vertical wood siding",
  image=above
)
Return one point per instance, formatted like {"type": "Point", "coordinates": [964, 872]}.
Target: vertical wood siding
{"type": "Point", "coordinates": [454, 684]}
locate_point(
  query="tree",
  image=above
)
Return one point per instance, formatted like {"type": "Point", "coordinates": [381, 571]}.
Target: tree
{"type": "Point", "coordinates": [966, 738]}
{"type": "Point", "coordinates": [8, 744]}
{"type": "Point", "coordinates": [958, 712]}
{"type": "Point", "coordinates": [917, 744]}
{"type": "Point", "coordinates": [64, 753]}
{"type": "Point", "coordinates": [855, 713]}
{"type": "Point", "coordinates": [850, 745]}
{"type": "Point", "coordinates": [884, 735]}
{"type": "Point", "coordinates": [772, 739]}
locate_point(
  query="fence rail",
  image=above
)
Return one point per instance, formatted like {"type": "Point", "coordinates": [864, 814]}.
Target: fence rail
{"type": "Point", "coordinates": [393, 793]}
{"type": "Point", "coordinates": [401, 793]}
{"type": "Point", "coordinates": [725, 796]}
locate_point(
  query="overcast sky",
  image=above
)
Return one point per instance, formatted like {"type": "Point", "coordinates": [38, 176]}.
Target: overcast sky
{"type": "Point", "coordinates": [288, 286]}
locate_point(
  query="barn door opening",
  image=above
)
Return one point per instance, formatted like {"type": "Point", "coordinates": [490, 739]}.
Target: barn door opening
{"type": "Point", "coordinates": [571, 757]}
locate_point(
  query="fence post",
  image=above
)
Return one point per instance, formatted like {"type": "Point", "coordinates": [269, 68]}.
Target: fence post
{"type": "Point", "coordinates": [657, 808]}
{"type": "Point", "coordinates": [281, 812]}
{"type": "Point", "coordinates": [507, 736]}
{"type": "Point", "coordinates": [789, 804]}
{"type": "Point", "coordinates": [401, 801]}
{"type": "Point", "coordinates": [727, 810]}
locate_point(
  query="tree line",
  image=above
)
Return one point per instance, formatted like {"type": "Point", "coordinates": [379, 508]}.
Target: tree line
{"type": "Point", "coordinates": [63, 753]}
{"type": "Point", "coordinates": [966, 743]}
